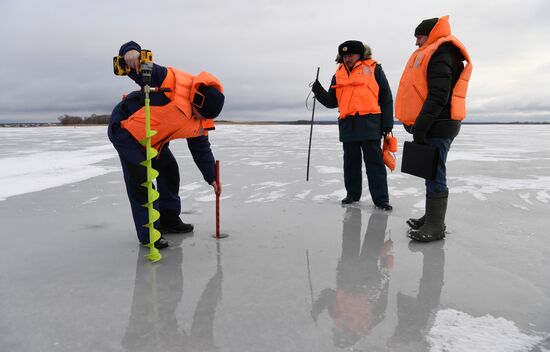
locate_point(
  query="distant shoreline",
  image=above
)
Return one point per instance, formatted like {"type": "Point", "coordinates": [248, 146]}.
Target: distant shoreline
{"type": "Point", "coordinates": [227, 122]}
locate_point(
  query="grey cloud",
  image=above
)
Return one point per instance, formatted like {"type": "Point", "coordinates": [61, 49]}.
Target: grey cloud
{"type": "Point", "coordinates": [265, 53]}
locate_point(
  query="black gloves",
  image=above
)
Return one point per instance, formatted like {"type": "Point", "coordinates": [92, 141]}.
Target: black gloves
{"type": "Point", "coordinates": [419, 136]}
{"type": "Point", "coordinates": [386, 131]}
{"type": "Point", "coordinates": [317, 88]}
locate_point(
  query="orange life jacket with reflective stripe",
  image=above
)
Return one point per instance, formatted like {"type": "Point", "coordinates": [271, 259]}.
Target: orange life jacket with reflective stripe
{"type": "Point", "coordinates": [175, 119]}
{"type": "Point", "coordinates": [413, 87]}
{"type": "Point", "coordinates": [357, 92]}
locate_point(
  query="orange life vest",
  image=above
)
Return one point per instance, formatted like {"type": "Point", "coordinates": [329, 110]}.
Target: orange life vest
{"type": "Point", "coordinates": [413, 87]}
{"type": "Point", "coordinates": [357, 92]}
{"type": "Point", "coordinates": [175, 119]}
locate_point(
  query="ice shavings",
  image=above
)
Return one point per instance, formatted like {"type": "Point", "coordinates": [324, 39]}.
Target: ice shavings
{"type": "Point", "coordinates": [460, 332]}
{"type": "Point", "coordinates": [40, 171]}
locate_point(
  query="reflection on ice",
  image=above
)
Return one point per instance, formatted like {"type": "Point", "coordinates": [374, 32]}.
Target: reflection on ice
{"type": "Point", "coordinates": [359, 301]}
{"type": "Point", "coordinates": [415, 314]}
{"type": "Point", "coordinates": [158, 291]}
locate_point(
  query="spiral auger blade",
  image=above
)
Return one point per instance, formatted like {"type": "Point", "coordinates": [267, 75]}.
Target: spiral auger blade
{"type": "Point", "coordinates": [152, 194]}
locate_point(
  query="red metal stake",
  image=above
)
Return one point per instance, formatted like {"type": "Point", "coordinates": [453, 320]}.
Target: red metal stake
{"type": "Point", "coordinates": [218, 235]}
{"type": "Point", "coordinates": [218, 199]}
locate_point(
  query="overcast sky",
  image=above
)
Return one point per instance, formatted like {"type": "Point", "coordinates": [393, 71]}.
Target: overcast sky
{"type": "Point", "coordinates": [57, 54]}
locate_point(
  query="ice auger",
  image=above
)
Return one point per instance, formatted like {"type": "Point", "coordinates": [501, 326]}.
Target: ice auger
{"type": "Point", "coordinates": [121, 69]}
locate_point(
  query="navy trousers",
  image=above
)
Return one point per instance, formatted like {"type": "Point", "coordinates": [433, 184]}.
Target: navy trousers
{"type": "Point", "coordinates": [131, 154]}
{"type": "Point", "coordinates": [439, 185]}
{"type": "Point", "coordinates": [374, 165]}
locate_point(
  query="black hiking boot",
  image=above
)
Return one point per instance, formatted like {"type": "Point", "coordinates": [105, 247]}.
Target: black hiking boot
{"type": "Point", "coordinates": [349, 200]}
{"type": "Point", "coordinates": [174, 225]}
{"type": "Point", "coordinates": [433, 228]}
{"type": "Point", "coordinates": [161, 243]}
{"type": "Point", "coordinates": [384, 206]}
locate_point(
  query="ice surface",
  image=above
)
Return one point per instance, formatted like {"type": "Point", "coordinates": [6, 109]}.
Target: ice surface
{"type": "Point", "coordinates": [298, 272]}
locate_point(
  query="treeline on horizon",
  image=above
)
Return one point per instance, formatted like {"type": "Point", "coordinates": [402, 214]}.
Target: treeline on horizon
{"type": "Point", "coordinates": [95, 119]}
{"type": "Point", "coordinates": [90, 120]}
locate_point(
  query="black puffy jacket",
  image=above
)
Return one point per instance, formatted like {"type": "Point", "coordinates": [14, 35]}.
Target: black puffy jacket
{"type": "Point", "coordinates": [444, 69]}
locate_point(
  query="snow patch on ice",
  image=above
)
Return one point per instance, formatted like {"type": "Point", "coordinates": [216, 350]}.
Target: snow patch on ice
{"type": "Point", "coordinates": [480, 186]}
{"type": "Point", "coordinates": [265, 197]}
{"type": "Point", "coordinates": [471, 155]}
{"type": "Point", "coordinates": [525, 197]}
{"type": "Point", "coordinates": [411, 191]}
{"type": "Point", "coordinates": [303, 195]}
{"type": "Point", "coordinates": [543, 196]}
{"type": "Point", "coordinates": [265, 163]}
{"type": "Point", "coordinates": [190, 187]}
{"type": "Point", "coordinates": [522, 207]}
{"type": "Point", "coordinates": [460, 332]}
{"type": "Point", "coordinates": [330, 182]}
{"type": "Point", "coordinates": [43, 170]}
{"type": "Point", "coordinates": [269, 184]}
{"type": "Point", "coordinates": [420, 204]}
{"type": "Point", "coordinates": [328, 170]}
{"type": "Point", "coordinates": [339, 194]}
{"type": "Point", "coordinates": [211, 198]}
{"type": "Point", "coordinates": [91, 200]}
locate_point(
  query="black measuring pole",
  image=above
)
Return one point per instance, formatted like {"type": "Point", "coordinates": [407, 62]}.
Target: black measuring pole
{"type": "Point", "coordinates": [311, 129]}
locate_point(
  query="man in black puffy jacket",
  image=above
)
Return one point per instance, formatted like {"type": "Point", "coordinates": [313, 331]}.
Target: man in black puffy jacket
{"type": "Point", "coordinates": [440, 113]}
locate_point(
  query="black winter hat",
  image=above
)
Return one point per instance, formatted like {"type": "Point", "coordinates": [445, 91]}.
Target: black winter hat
{"type": "Point", "coordinates": [351, 47]}
{"type": "Point", "coordinates": [426, 26]}
{"type": "Point", "coordinates": [208, 101]}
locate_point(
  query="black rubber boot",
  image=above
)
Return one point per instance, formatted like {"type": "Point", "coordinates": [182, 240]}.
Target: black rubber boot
{"type": "Point", "coordinates": [434, 223]}
{"type": "Point", "coordinates": [415, 224]}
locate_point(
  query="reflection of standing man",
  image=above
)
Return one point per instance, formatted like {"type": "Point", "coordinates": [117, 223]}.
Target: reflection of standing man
{"type": "Point", "coordinates": [431, 102]}
{"type": "Point", "coordinates": [153, 326]}
{"type": "Point", "coordinates": [414, 313]}
{"type": "Point", "coordinates": [361, 92]}
{"type": "Point", "coordinates": [362, 277]}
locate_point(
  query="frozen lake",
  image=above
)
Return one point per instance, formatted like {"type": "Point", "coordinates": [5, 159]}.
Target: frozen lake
{"type": "Point", "coordinates": [298, 272]}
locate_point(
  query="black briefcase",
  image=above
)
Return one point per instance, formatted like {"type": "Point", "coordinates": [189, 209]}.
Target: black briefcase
{"type": "Point", "coordinates": [420, 160]}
